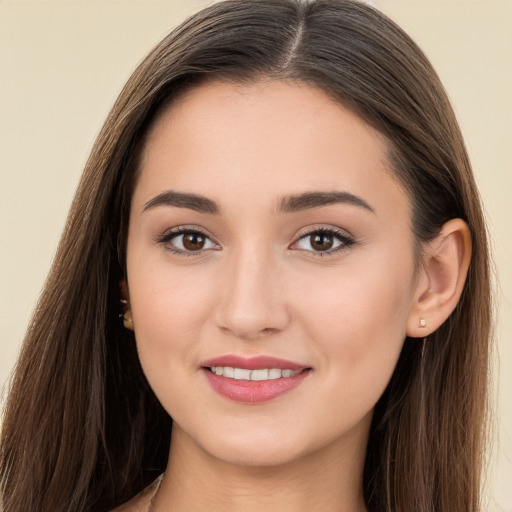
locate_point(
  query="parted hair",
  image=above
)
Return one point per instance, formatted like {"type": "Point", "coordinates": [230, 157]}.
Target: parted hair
{"type": "Point", "coordinates": [82, 430]}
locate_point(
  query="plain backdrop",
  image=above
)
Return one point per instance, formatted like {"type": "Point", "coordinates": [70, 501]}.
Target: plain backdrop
{"type": "Point", "coordinates": [63, 62]}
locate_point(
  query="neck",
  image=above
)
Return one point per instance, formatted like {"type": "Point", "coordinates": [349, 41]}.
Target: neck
{"type": "Point", "coordinates": [330, 480]}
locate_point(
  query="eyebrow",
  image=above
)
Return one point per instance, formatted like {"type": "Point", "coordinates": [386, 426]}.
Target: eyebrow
{"type": "Point", "coordinates": [195, 202]}
{"type": "Point", "coordinates": [311, 200]}
{"type": "Point", "coordinates": [288, 204]}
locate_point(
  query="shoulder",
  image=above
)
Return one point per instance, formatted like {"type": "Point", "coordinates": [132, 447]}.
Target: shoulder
{"type": "Point", "coordinates": [141, 502]}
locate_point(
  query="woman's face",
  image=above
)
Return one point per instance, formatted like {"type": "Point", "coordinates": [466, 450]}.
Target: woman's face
{"type": "Point", "coordinates": [270, 270]}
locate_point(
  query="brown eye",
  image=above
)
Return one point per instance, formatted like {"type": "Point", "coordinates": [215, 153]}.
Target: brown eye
{"type": "Point", "coordinates": [193, 241]}
{"type": "Point", "coordinates": [325, 241]}
{"type": "Point", "coordinates": [322, 241]}
{"type": "Point", "coordinates": [187, 242]}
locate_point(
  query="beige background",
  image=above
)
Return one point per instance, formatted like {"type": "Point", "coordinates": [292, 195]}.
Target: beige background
{"type": "Point", "coordinates": [63, 62]}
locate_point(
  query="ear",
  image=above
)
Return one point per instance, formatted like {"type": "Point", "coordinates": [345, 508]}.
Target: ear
{"type": "Point", "coordinates": [441, 281]}
{"type": "Point", "coordinates": [125, 301]}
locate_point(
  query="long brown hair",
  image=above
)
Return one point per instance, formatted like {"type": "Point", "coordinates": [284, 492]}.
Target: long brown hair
{"type": "Point", "coordinates": [82, 429]}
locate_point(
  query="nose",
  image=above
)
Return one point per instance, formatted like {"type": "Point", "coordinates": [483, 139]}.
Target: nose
{"type": "Point", "coordinates": [252, 301]}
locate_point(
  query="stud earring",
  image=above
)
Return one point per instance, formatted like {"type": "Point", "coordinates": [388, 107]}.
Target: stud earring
{"type": "Point", "coordinates": [422, 323]}
{"type": "Point", "coordinates": [128, 320]}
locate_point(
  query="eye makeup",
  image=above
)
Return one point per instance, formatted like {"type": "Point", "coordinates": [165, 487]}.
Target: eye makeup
{"type": "Point", "coordinates": [193, 241]}
{"type": "Point", "coordinates": [187, 241]}
{"type": "Point", "coordinates": [324, 241]}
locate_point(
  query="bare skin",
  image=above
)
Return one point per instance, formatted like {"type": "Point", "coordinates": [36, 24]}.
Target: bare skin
{"type": "Point", "coordinates": [254, 269]}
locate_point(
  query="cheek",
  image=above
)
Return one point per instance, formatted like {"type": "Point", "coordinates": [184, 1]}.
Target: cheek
{"type": "Point", "coordinates": [357, 329]}
{"type": "Point", "coordinates": [169, 311]}
{"type": "Point", "coordinates": [354, 303]}
{"type": "Point", "coordinates": [358, 320]}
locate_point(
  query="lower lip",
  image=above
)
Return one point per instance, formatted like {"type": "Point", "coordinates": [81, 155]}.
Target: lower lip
{"type": "Point", "coordinates": [253, 391]}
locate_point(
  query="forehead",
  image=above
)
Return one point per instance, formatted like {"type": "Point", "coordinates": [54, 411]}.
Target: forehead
{"type": "Point", "coordinates": [265, 139]}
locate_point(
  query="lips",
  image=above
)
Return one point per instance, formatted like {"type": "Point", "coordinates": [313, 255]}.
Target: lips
{"type": "Point", "coordinates": [253, 363]}
{"type": "Point", "coordinates": [253, 380]}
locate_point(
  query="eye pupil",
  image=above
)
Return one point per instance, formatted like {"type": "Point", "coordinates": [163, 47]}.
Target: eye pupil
{"type": "Point", "coordinates": [193, 241]}
{"type": "Point", "coordinates": [322, 241]}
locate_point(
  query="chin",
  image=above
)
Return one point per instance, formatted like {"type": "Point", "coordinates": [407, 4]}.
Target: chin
{"type": "Point", "coordinates": [259, 447]}
{"type": "Point", "coordinates": [256, 456]}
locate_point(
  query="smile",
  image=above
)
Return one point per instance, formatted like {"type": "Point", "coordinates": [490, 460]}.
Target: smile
{"type": "Point", "coordinates": [259, 375]}
{"type": "Point", "coordinates": [255, 379]}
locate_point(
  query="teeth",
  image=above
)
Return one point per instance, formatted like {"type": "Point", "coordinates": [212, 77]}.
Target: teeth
{"type": "Point", "coordinates": [228, 372]}
{"type": "Point", "coordinates": [241, 374]}
{"type": "Point", "coordinates": [260, 374]}
{"type": "Point", "coordinates": [274, 373]}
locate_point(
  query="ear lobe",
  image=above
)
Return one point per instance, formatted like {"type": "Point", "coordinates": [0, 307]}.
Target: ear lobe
{"type": "Point", "coordinates": [443, 274]}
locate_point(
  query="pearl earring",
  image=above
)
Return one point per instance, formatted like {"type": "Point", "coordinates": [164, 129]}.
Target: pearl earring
{"type": "Point", "coordinates": [423, 323]}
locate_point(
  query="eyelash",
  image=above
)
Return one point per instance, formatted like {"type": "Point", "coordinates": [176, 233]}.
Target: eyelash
{"type": "Point", "coordinates": [168, 236]}
{"type": "Point", "coordinates": [345, 240]}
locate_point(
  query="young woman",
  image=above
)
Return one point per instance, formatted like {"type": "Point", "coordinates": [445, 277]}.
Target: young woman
{"type": "Point", "coordinates": [272, 292]}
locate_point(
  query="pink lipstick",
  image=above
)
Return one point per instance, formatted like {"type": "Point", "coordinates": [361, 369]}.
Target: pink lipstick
{"type": "Point", "coordinates": [253, 380]}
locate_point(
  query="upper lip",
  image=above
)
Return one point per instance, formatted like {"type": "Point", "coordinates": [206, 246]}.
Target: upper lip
{"type": "Point", "coordinates": [253, 363]}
